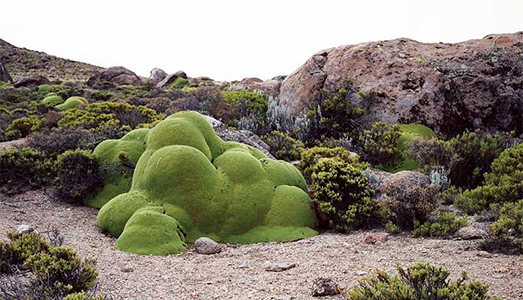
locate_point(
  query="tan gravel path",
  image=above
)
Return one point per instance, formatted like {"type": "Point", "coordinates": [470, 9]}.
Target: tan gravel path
{"type": "Point", "coordinates": [239, 271]}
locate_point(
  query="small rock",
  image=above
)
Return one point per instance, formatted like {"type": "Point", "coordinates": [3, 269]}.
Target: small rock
{"type": "Point", "coordinates": [373, 237]}
{"type": "Point", "coordinates": [324, 287]}
{"type": "Point", "coordinates": [280, 267]}
{"type": "Point", "coordinates": [243, 266]}
{"type": "Point", "coordinates": [360, 273]}
{"type": "Point", "coordinates": [24, 229]}
{"type": "Point", "coordinates": [127, 269]}
{"type": "Point", "coordinates": [206, 245]}
{"type": "Point", "coordinates": [470, 233]}
{"type": "Point", "coordinates": [483, 254]}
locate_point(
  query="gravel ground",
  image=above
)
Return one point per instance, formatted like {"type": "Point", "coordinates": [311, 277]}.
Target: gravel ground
{"type": "Point", "coordinates": [238, 272]}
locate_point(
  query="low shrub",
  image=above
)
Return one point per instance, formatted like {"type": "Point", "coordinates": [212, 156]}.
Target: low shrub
{"type": "Point", "coordinates": [77, 175]}
{"type": "Point", "coordinates": [379, 144]}
{"type": "Point", "coordinates": [405, 204]}
{"type": "Point", "coordinates": [283, 146]}
{"type": "Point", "coordinates": [342, 192]}
{"type": "Point", "coordinates": [508, 229]}
{"type": "Point", "coordinates": [444, 225]}
{"type": "Point", "coordinates": [243, 110]}
{"type": "Point", "coordinates": [24, 169]}
{"type": "Point", "coordinates": [419, 281]}
{"type": "Point", "coordinates": [55, 271]}
{"type": "Point", "coordinates": [311, 156]}
{"type": "Point", "coordinates": [22, 127]}
{"type": "Point", "coordinates": [504, 183]}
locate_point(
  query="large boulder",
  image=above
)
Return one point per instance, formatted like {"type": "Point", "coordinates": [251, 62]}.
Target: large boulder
{"type": "Point", "coordinates": [116, 76]}
{"type": "Point", "coordinates": [171, 78]}
{"type": "Point", "coordinates": [31, 82]}
{"type": "Point", "coordinates": [4, 75]}
{"type": "Point", "coordinates": [188, 183]}
{"type": "Point", "coordinates": [157, 75]}
{"type": "Point", "coordinates": [448, 87]}
{"type": "Point", "coordinates": [269, 87]}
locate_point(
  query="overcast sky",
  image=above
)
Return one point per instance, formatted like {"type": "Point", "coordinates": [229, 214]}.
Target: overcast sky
{"type": "Point", "coordinates": [227, 40]}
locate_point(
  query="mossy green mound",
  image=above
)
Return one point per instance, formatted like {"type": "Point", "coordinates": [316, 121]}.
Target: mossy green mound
{"type": "Point", "coordinates": [408, 133]}
{"type": "Point", "coordinates": [188, 183]}
{"type": "Point", "coordinates": [110, 154]}
{"type": "Point", "coordinates": [179, 83]}
{"type": "Point", "coordinates": [53, 99]}
{"type": "Point", "coordinates": [72, 102]}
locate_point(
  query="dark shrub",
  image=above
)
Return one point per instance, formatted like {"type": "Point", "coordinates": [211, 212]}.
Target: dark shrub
{"type": "Point", "coordinates": [420, 281]}
{"type": "Point", "coordinates": [283, 146]}
{"type": "Point", "coordinates": [379, 144]}
{"type": "Point", "coordinates": [504, 183]}
{"type": "Point", "coordinates": [508, 229]}
{"type": "Point", "coordinates": [24, 169]}
{"type": "Point", "coordinates": [444, 225]}
{"type": "Point", "coordinates": [77, 175]}
{"type": "Point", "coordinates": [341, 191]}
{"type": "Point", "coordinates": [406, 203]}
{"type": "Point", "coordinates": [57, 140]}
{"type": "Point", "coordinates": [55, 272]}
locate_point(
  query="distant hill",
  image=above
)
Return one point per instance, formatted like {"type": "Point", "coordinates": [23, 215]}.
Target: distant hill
{"type": "Point", "coordinates": [22, 62]}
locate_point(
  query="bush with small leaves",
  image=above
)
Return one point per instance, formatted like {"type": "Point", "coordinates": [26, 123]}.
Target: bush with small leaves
{"type": "Point", "coordinates": [22, 127]}
{"type": "Point", "coordinates": [379, 144]}
{"type": "Point", "coordinates": [405, 204]}
{"type": "Point", "coordinates": [419, 281]}
{"type": "Point", "coordinates": [504, 183]}
{"type": "Point", "coordinates": [342, 192]}
{"type": "Point", "coordinates": [508, 229]}
{"type": "Point", "coordinates": [311, 156]}
{"type": "Point", "coordinates": [283, 146]}
{"type": "Point", "coordinates": [55, 272]}
{"type": "Point", "coordinates": [22, 169]}
{"type": "Point", "coordinates": [78, 175]}
{"type": "Point", "coordinates": [444, 225]}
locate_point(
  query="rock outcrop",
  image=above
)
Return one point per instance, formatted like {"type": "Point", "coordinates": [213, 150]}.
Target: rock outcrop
{"type": "Point", "coordinates": [4, 75]}
{"type": "Point", "coordinates": [269, 87]}
{"type": "Point", "coordinates": [31, 82]}
{"type": "Point", "coordinates": [448, 87]}
{"type": "Point", "coordinates": [157, 75]}
{"type": "Point", "coordinates": [171, 78]}
{"type": "Point", "coordinates": [116, 76]}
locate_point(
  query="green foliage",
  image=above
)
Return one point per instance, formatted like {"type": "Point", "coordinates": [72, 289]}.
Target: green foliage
{"type": "Point", "coordinates": [341, 190]}
{"type": "Point", "coordinates": [419, 281]}
{"type": "Point", "coordinates": [392, 228]}
{"type": "Point", "coordinates": [283, 146]}
{"type": "Point", "coordinates": [102, 95]}
{"type": "Point", "coordinates": [446, 223]}
{"type": "Point", "coordinates": [64, 268]}
{"type": "Point", "coordinates": [332, 113]}
{"type": "Point", "coordinates": [189, 183]}
{"type": "Point", "coordinates": [504, 183]}
{"type": "Point", "coordinates": [311, 156]}
{"type": "Point", "coordinates": [53, 99]}
{"type": "Point", "coordinates": [380, 143]}
{"type": "Point", "coordinates": [242, 109]}
{"type": "Point", "coordinates": [22, 127]}
{"type": "Point", "coordinates": [179, 83]}
{"type": "Point", "coordinates": [508, 229]}
{"type": "Point", "coordinates": [78, 175]}
{"type": "Point", "coordinates": [99, 115]}
{"type": "Point", "coordinates": [25, 168]}
{"type": "Point", "coordinates": [72, 102]}
{"type": "Point", "coordinates": [2, 85]}
{"type": "Point", "coordinates": [57, 271]}
{"type": "Point", "coordinates": [403, 161]}
{"type": "Point", "coordinates": [254, 102]}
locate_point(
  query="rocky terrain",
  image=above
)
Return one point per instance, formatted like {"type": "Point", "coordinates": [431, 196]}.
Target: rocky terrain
{"type": "Point", "coordinates": [448, 87]}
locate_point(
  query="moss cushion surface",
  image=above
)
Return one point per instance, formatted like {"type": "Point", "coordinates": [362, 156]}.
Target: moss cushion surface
{"type": "Point", "coordinates": [188, 183]}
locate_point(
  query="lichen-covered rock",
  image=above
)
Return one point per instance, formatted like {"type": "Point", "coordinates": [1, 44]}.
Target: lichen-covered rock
{"type": "Point", "coordinates": [448, 87]}
{"type": "Point", "coordinates": [72, 102]}
{"type": "Point", "coordinates": [116, 76]}
{"type": "Point", "coordinates": [157, 75]}
{"type": "Point", "coordinates": [226, 191]}
{"type": "Point", "coordinates": [31, 82]}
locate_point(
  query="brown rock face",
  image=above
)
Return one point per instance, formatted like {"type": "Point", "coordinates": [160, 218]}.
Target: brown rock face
{"type": "Point", "coordinates": [448, 87]}
{"type": "Point", "coordinates": [116, 76]}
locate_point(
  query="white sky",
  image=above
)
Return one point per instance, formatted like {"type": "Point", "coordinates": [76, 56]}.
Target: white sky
{"type": "Point", "coordinates": [233, 39]}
